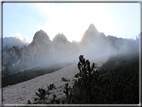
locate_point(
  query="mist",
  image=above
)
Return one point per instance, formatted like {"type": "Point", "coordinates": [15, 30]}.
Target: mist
{"type": "Point", "coordinates": [44, 53]}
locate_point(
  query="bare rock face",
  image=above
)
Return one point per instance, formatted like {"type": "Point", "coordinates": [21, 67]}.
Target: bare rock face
{"type": "Point", "coordinates": [62, 46]}
{"type": "Point", "coordinates": [60, 42]}
{"type": "Point", "coordinates": [89, 35]}
{"type": "Point", "coordinates": [25, 52]}
{"type": "Point", "coordinates": [41, 43]}
{"type": "Point", "coordinates": [60, 38]}
{"type": "Point", "coordinates": [92, 37]}
{"type": "Point", "coordinates": [94, 43]}
{"type": "Point", "coordinates": [14, 54]}
{"type": "Point", "coordinates": [42, 49]}
{"type": "Point", "coordinates": [92, 29]}
{"type": "Point", "coordinates": [41, 37]}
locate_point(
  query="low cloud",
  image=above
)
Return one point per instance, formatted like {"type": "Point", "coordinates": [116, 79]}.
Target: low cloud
{"type": "Point", "coordinates": [18, 36]}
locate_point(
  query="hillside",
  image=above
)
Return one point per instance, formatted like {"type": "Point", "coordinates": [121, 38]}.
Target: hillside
{"type": "Point", "coordinates": [22, 92]}
{"type": "Point", "coordinates": [44, 51]}
{"type": "Point", "coordinates": [45, 62]}
{"type": "Point", "coordinates": [127, 67]}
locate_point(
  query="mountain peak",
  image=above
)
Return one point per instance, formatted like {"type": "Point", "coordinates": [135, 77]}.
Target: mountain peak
{"type": "Point", "coordinates": [60, 37]}
{"type": "Point", "coordinates": [92, 28]}
{"type": "Point", "coordinates": [40, 33]}
{"type": "Point", "coordinates": [41, 37]}
{"type": "Point", "coordinates": [90, 34]}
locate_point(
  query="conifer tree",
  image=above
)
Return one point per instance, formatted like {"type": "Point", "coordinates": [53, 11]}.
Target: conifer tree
{"type": "Point", "coordinates": [85, 78]}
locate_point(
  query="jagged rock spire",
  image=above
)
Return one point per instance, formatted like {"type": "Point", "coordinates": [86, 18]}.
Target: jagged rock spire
{"type": "Point", "coordinates": [92, 28]}
{"type": "Point", "coordinates": [90, 34]}
{"type": "Point", "coordinates": [41, 37]}
{"type": "Point", "coordinates": [60, 37]}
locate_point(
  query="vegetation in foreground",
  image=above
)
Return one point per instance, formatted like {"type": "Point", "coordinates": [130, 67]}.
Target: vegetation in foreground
{"type": "Point", "coordinates": [116, 82]}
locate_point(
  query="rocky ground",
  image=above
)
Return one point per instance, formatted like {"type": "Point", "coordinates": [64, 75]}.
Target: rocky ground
{"type": "Point", "coordinates": [22, 92]}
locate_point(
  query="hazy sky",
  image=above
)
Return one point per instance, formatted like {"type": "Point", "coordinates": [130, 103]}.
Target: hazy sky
{"type": "Point", "coordinates": [71, 19]}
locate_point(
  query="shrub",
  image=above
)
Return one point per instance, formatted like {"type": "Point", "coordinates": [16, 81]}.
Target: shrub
{"type": "Point", "coordinates": [41, 94]}
{"type": "Point", "coordinates": [51, 86]}
{"type": "Point", "coordinates": [29, 102]}
{"type": "Point", "coordinates": [65, 80]}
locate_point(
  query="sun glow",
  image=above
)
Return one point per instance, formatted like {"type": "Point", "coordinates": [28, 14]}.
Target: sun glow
{"type": "Point", "coordinates": [73, 19]}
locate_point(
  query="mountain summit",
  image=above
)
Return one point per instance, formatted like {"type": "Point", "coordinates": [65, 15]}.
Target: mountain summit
{"type": "Point", "coordinates": [60, 38]}
{"type": "Point", "coordinates": [40, 43]}
{"type": "Point", "coordinates": [92, 28]}
{"type": "Point", "coordinates": [90, 34]}
{"type": "Point", "coordinates": [62, 46]}
{"type": "Point", "coordinates": [41, 37]}
{"type": "Point", "coordinates": [42, 50]}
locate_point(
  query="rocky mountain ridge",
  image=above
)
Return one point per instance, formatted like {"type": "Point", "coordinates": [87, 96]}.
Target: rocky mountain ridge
{"type": "Point", "coordinates": [43, 50]}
